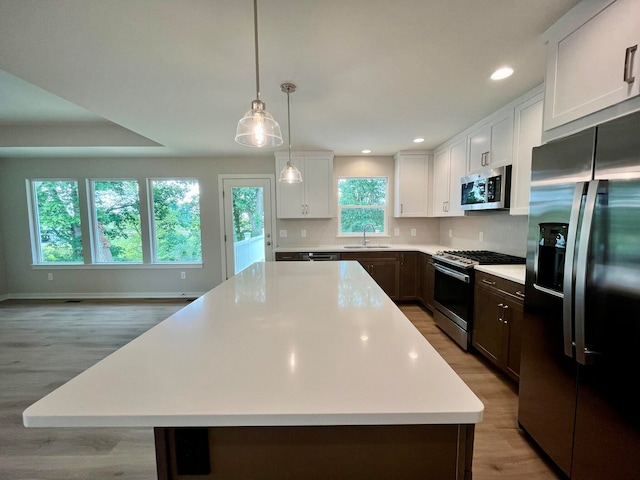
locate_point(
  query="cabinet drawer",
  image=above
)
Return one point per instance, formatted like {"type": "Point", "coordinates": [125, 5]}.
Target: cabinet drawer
{"type": "Point", "coordinates": [366, 256]}
{"type": "Point", "coordinates": [287, 256]}
{"type": "Point", "coordinates": [505, 286]}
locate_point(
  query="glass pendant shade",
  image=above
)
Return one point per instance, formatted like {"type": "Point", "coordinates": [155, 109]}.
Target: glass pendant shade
{"type": "Point", "coordinates": [290, 174]}
{"type": "Point", "coordinates": [258, 128]}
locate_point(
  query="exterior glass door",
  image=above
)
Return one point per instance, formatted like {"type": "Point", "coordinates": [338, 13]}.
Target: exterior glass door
{"type": "Point", "coordinates": [247, 212]}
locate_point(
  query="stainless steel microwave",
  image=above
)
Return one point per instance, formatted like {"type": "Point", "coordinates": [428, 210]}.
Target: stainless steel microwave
{"type": "Point", "coordinates": [488, 190]}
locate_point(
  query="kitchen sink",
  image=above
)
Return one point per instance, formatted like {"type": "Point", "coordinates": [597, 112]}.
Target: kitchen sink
{"type": "Point", "coordinates": [367, 246]}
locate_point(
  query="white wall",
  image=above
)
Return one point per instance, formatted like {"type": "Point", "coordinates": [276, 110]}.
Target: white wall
{"type": "Point", "coordinates": [324, 231]}
{"type": "Point", "coordinates": [23, 280]}
{"type": "Point", "coordinates": [18, 278]}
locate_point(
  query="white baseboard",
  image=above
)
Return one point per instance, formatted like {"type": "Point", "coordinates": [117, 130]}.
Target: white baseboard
{"type": "Point", "coordinates": [100, 296]}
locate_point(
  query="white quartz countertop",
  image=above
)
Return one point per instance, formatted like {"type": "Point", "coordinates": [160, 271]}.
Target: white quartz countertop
{"type": "Point", "coordinates": [281, 343]}
{"type": "Point", "coordinates": [515, 273]}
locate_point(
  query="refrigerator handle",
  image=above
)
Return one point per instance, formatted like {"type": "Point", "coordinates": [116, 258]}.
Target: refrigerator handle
{"type": "Point", "coordinates": [567, 287]}
{"type": "Point", "coordinates": [581, 273]}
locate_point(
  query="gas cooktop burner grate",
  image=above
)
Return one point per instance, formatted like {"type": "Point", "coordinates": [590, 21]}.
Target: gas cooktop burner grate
{"type": "Point", "coordinates": [469, 258]}
{"type": "Point", "coordinates": [486, 257]}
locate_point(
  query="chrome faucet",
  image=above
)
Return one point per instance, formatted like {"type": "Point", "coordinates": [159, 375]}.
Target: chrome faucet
{"type": "Point", "coordinates": [364, 232]}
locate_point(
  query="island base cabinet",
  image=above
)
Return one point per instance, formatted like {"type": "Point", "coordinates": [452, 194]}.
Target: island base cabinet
{"type": "Point", "coordinates": [351, 452]}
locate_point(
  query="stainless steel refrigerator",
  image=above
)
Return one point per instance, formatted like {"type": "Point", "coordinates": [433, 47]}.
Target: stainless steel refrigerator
{"type": "Point", "coordinates": [580, 368]}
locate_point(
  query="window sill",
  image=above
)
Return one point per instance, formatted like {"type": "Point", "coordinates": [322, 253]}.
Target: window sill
{"type": "Point", "coordinates": [112, 266]}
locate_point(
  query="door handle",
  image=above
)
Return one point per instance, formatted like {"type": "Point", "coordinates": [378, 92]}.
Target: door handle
{"type": "Point", "coordinates": [628, 64]}
{"type": "Point", "coordinates": [582, 355]}
{"type": "Point", "coordinates": [567, 287]}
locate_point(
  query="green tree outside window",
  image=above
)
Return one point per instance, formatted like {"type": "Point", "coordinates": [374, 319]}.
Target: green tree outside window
{"type": "Point", "coordinates": [362, 201]}
{"type": "Point", "coordinates": [58, 217]}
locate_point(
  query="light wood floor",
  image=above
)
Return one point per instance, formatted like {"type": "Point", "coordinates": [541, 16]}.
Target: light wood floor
{"type": "Point", "coordinates": [44, 344]}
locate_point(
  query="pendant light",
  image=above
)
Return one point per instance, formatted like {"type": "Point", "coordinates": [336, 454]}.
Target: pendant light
{"type": "Point", "coordinates": [289, 174]}
{"type": "Point", "coordinates": [258, 128]}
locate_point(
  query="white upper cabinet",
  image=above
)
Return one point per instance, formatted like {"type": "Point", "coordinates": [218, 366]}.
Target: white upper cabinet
{"type": "Point", "coordinates": [491, 145]}
{"type": "Point", "coordinates": [527, 134]}
{"type": "Point", "coordinates": [449, 166]}
{"type": "Point", "coordinates": [313, 198]}
{"type": "Point", "coordinates": [411, 184]}
{"type": "Point", "coordinates": [593, 60]}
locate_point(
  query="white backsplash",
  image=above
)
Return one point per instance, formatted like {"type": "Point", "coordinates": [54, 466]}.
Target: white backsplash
{"type": "Point", "coordinates": [324, 232]}
{"type": "Point", "coordinates": [501, 232]}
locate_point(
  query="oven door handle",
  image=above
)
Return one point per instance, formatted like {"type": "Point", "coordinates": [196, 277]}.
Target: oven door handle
{"type": "Point", "coordinates": [452, 273]}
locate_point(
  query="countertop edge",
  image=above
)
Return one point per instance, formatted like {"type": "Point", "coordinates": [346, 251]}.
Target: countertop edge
{"type": "Point", "coordinates": [514, 273]}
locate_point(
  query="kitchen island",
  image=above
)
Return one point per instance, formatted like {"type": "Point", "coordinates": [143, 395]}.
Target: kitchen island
{"type": "Point", "coordinates": [286, 370]}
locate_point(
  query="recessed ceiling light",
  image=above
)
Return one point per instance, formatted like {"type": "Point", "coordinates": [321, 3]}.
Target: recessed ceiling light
{"type": "Point", "coordinates": [418, 140]}
{"type": "Point", "coordinates": [502, 72]}
{"type": "Point", "coordinates": [366, 151]}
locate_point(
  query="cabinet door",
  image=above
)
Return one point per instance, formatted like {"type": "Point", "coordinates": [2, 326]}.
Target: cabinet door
{"type": "Point", "coordinates": [290, 196]}
{"type": "Point", "coordinates": [387, 275]}
{"type": "Point", "coordinates": [318, 184]}
{"type": "Point", "coordinates": [409, 280]}
{"type": "Point", "coordinates": [411, 176]}
{"type": "Point", "coordinates": [492, 145]}
{"type": "Point", "coordinates": [457, 170]}
{"type": "Point", "coordinates": [501, 141]}
{"type": "Point", "coordinates": [383, 267]}
{"type": "Point", "coordinates": [422, 276]}
{"type": "Point", "coordinates": [587, 52]}
{"type": "Point", "coordinates": [488, 326]}
{"type": "Point", "coordinates": [429, 283]}
{"type": "Point", "coordinates": [512, 317]}
{"type": "Point", "coordinates": [528, 134]}
{"type": "Point", "coordinates": [479, 149]}
{"type": "Point", "coordinates": [441, 182]}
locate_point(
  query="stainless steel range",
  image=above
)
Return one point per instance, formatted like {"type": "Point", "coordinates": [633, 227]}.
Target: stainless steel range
{"type": "Point", "coordinates": [453, 290]}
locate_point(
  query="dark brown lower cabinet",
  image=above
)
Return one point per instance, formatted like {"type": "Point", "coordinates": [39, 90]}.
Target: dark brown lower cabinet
{"type": "Point", "coordinates": [497, 322]}
{"type": "Point", "coordinates": [427, 279]}
{"type": "Point", "coordinates": [384, 267]}
{"type": "Point", "coordinates": [409, 276]}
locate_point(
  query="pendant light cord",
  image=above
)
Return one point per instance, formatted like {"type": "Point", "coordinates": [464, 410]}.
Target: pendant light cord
{"type": "Point", "coordinates": [289, 124]}
{"type": "Point", "coordinates": [255, 31]}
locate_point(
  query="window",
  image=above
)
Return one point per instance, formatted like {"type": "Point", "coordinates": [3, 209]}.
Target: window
{"type": "Point", "coordinates": [56, 216]}
{"type": "Point", "coordinates": [117, 234]}
{"type": "Point", "coordinates": [362, 201]}
{"type": "Point", "coordinates": [112, 209]}
{"type": "Point", "coordinates": [176, 220]}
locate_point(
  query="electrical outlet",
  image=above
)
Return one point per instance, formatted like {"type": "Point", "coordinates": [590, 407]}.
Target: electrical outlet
{"type": "Point", "coordinates": [49, 276]}
{"type": "Point", "coordinates": [413, 232]}
{"type": "Point", "coordinates": [303, 233]}
{"type": "Point", "coordinates": [481, 236]}
{"type": "Point", "coordinates": [283, 234]}
{"type": "Point", "coordinates": [183, 275]}
{"type": "Point", "coordinates": [450, 233]}
{"type": "Point", "coordinates": [396, 232]}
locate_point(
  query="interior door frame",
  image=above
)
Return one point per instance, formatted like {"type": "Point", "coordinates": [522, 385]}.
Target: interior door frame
{"type": "Point", "coordinates": [272, 202]}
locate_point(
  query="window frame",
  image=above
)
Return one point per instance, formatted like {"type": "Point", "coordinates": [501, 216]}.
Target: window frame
{"type": "Point", "coordinates": [385, 207]}
{"type": "Point", "coordinates": [153, 241]}
{"type": "Point", "coordinates": [93, 220]}
{"type": "Point", "coordinates": [34, 221]}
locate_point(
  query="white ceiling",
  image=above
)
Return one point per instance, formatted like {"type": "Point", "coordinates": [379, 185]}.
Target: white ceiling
{"type": "Point", "coordinates": [172, 78]}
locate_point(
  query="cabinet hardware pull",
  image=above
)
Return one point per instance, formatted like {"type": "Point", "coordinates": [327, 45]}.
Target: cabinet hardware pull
{"type": "Point", "coordinates": [520, 294]}
{"type": "Point", "coordinates": [628, 64]}
{"type": "Point", "coordinates": [484, 280]}
{"type": "Point", "coordinates": [401, 208]}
